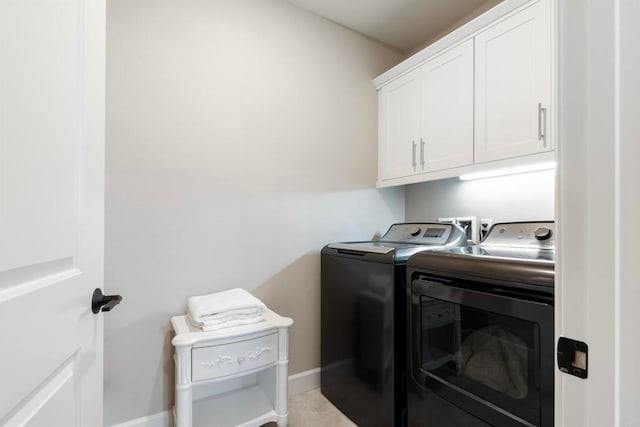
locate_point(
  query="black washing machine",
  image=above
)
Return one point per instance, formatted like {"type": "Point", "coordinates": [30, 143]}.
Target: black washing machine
{"type": "Point", "coordinates": [363, 320]}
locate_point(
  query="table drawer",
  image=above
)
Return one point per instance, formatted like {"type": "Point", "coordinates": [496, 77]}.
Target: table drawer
{"type": "Point", "coordinates": [228, 359]}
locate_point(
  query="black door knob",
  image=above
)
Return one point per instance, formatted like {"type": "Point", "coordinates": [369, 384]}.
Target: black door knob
{"type": "Point", "coordinates": [106, 302]}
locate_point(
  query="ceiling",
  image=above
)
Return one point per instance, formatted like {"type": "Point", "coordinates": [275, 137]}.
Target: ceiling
{"type": "Point", "coordinates": [403, 24]}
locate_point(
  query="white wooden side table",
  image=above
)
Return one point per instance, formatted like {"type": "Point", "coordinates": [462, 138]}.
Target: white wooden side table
{"type": "Point", "coordinates": [235, 376]}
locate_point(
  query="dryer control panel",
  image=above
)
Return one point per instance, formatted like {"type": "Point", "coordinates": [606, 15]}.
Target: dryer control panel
{"type": "Point", "coordinates": [423, 233]}
{"type": "Point", "coordinates": [540, 234]}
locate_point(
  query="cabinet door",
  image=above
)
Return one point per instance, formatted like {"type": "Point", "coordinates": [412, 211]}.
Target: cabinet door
{"type": "Point", "coordinates": [399, 127]}
{"type": "Point", "coordinates": [447, 110]}
{"type": "Point", "coordinates": [513, 85]}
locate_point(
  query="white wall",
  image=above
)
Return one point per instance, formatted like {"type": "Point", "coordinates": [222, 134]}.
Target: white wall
{"type": "Point", "coordinates": [523, 197]}
{"type": "Point", "coordinates": [241, 138]}
{"type": "Point", "coordinates": [482, 8]}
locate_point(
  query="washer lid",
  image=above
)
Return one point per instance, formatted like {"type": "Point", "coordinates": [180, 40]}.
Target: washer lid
{"type": "Point", "coordinates": [389, 251]}
{"type": "Point", "coordinates": [403, 240]}
{"type": "Point", "coordinates": [368, 247]}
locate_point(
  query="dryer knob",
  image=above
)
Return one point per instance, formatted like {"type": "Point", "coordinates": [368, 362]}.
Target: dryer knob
{"type": "Point", "coordinates": [543, 233]}
{"type": "Point", "coordinates": [415, 231]}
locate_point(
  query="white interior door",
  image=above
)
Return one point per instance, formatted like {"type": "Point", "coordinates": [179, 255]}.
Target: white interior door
{"type": "Point", "coordinates": [597, 270]}
{"type": "Point", "coordinates": [51, 211]}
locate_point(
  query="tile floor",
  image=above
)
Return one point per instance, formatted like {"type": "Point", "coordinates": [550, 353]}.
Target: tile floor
{"type": "Point", "coordinates": [311, 409]}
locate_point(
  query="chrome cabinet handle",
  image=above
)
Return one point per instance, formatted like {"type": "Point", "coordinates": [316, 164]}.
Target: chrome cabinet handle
{"type": "Point", "coordinates": [413, 154]}
{"type": "Point", "coordinates": [542, 128]}
{"type": "Point", "coordinates": [422, 152]}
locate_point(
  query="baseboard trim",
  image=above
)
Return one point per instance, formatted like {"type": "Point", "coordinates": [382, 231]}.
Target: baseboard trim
{"type": "Point", "coordinates": [161, 419]}
{"type": "Point", "coordinates": [298, 383]}
{"type": "Point", "coordinates": [304, 381]}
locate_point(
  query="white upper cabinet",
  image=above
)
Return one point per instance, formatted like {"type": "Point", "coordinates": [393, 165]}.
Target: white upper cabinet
{"type": "Point", "coordinates": [399, 127]}
{"type": "Point", "coordinates": [513, 85]}
{"type": "Point", "coordinates": [426, 116]}
{"type": "Point", "coordinates": [447, 109]}
{"type": "Point", "coordinates": [480, 98]}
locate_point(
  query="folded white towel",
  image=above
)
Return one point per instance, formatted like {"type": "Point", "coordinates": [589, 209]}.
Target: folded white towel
{"type": "Point", "coordinates": [224, 309]}
{"type": "Point", "coordinates": [236, 314]}
{"type": "Point", "coordinates": [232, 315]}
{"type": "Point", "coordinates": [227, 322]}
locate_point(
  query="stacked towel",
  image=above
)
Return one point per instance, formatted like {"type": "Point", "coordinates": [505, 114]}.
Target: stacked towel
{"type": "Point", "coordinates": [225, 309]}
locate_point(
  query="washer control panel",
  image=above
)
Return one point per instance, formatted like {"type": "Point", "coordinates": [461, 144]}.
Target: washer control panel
{"type": "Point", "coordinates": [422, 233]}
{"type": "Point", "coordinates": [522, 234]}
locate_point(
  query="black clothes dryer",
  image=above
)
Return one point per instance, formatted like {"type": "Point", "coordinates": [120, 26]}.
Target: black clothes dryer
{"type": "Point", "coordinates": [481, 331]}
